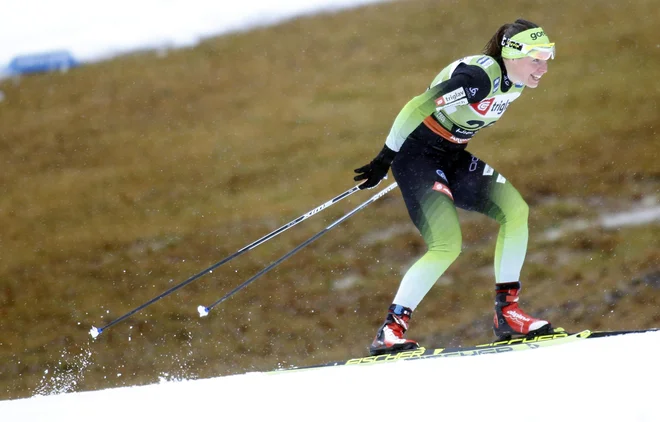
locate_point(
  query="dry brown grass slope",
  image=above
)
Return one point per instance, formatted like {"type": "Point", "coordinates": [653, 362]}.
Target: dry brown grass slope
{"type": "Point", "coordinates": [122, 178]}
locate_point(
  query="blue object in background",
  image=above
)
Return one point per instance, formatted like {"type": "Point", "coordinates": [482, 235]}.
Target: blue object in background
{"type": "Point", "coordinates": [42, 62]}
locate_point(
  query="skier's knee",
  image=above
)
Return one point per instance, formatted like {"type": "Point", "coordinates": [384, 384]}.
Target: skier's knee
{"type": "Point", "coordinates": [448, 251]}
{"type": "Point", "coordinates": [517, 214]}
{"type": "Point", "coordinates": [521, 212]}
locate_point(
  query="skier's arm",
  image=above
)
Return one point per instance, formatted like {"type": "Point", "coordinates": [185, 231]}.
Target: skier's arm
{"type": "Point", "coordinates": [468, 84]}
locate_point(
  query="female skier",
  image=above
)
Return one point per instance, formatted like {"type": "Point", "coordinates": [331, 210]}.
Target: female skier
{"type": "Point", "coordinates": [426, 150]}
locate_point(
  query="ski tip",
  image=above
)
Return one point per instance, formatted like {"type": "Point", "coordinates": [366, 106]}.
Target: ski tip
{"type": "Point", "coordinates": [94, 332]}
{"type": "Point", "coordinates": [203, 311]}
{"type": "Point", "coordinates": [584, 334]}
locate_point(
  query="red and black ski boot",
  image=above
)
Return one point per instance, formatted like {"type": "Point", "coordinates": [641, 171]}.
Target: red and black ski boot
{"type": "Point", "coordinates": [389, 338]}
{"type": "Point", "coordinates": [510, 321]}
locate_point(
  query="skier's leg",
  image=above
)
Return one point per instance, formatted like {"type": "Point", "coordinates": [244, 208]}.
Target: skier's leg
{"type": "Point", "coordinates": [506, 206]}
{"type": "Point", "coordinates": [430, 206]}
{"type": "Point", "coordinates": [497, 198]}
{"type": "Point", "coordinates": [435, 217]}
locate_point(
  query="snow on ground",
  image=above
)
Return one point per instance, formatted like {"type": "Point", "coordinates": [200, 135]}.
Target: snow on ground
{"type": "Point", "coordinates": [93, 31]}
{"type": "Point", "coordinates": [604, 379]}
{"type": "Point", "coordinates": [638, 215]}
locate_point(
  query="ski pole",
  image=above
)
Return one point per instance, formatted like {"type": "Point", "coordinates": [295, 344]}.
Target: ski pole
{"type": "Point", "coordinates": [95, 332]}
{"type": "Point", "coordinates": [204, 310]}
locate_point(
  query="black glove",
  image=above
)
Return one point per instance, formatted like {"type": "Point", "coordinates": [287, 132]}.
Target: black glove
{"type": "Point", "coordinates": [376, 170]}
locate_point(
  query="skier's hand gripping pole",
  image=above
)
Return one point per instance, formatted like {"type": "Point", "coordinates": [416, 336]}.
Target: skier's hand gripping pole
{"type": "Point", "coordinates": [376, 170]}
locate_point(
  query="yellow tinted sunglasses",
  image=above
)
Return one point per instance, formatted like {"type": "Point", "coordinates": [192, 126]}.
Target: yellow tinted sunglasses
{"type": "Point", "coordinates": [536, 51]}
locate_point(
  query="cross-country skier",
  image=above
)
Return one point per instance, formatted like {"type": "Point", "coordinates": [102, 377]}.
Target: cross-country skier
{"type": "Point", "coordinates": [426, 150]}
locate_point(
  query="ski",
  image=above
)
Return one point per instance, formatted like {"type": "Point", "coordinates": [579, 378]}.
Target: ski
{"type": "Point", "coordinates": [596, 334]}
{"type": "Point", "coordinates": [503, 346]}
{"type": "Point", "coordinates": [496, 347]}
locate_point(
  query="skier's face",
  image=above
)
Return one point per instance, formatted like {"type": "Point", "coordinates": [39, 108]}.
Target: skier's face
{"type": "Point", "coordinates": [526, 70]}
